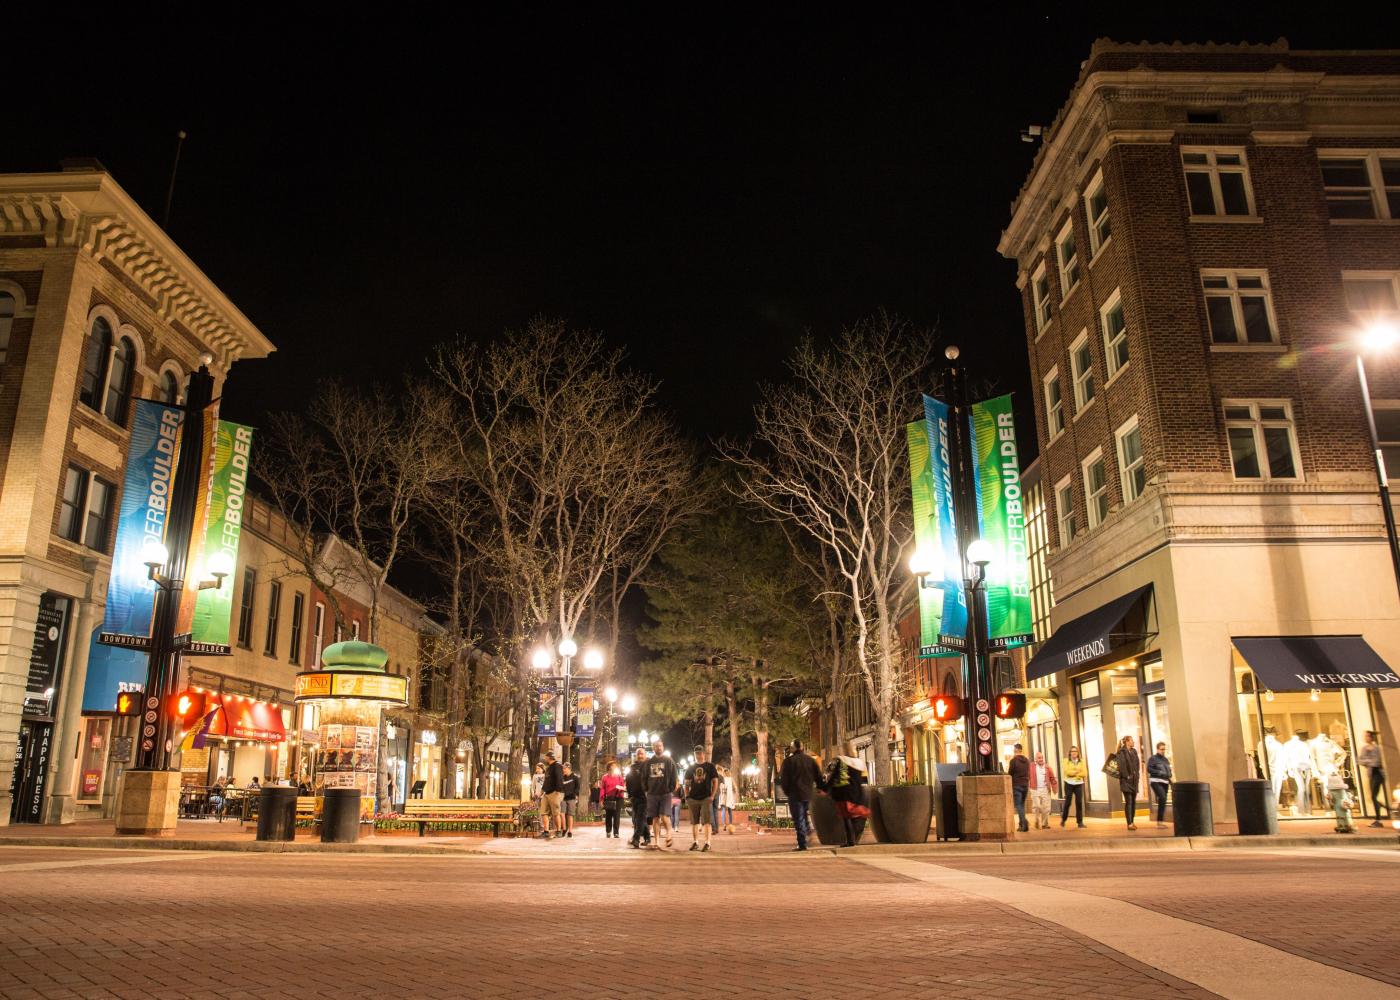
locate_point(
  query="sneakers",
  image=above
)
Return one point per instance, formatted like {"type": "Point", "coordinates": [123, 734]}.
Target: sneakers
{"type": "Point", "coordinates": [694, 846]}
{"type": "Point", "coordinates": [570, 834]}
{"type": "Point", "coordinates": [1376, 822]}
{"type": "Point", "coordinates": [704, 849]}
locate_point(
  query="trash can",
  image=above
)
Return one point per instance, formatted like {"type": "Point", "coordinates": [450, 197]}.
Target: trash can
{"type": "Point", "coordinates": [277, 813]}
{"type": "Point", "coordinates": [340, 816]}
{"type": "Point", "coordinates": [1191, 811]}
{"type": "Point", "coordinates": [1255, 807]}
{"type": "Point", "coordinates": [948, 820]}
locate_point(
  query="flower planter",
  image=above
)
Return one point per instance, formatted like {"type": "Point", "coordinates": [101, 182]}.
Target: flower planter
{"type": "Point", "coordinates": [901, 814]}
{"type": "Point", "coordinates": [831, 831]}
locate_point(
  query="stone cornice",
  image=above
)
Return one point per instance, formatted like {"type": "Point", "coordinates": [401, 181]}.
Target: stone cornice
{"type": "Point", "coordinates": [89, 211]}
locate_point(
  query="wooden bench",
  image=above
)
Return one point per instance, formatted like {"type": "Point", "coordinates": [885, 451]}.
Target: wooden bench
{"type": "Point", "coordinates": [497, 812]}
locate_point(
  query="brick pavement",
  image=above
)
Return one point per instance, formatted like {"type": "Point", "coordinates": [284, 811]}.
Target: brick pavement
{"type": "Point", "coordinates": [237, 925]}
{"type": "Point", "coordinates": [1337, 909]}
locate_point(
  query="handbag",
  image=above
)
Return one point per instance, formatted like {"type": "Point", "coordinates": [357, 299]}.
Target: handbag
{"type": "Point", "coordinates": [1110, 766]}
{"type": "Point", "coordinates": [853, 810]}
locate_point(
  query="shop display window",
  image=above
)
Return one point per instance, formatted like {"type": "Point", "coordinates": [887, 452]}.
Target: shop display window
{"type": "Point", "coordinates": [1091, 736]}
{"type": "Point", "coordinates": [92, 769]}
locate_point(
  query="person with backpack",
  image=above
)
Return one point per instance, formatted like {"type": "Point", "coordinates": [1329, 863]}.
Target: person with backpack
{"type": "Point", "coordinates": [845, 782]}
{"type": "Point", "coordinates": [571, 790]}
{"type": "Point", "coordinates": [552, 799]}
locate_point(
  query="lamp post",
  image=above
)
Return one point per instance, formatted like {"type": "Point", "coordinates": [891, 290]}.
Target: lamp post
{"type": "Point", "coordinates": [620, 706]}
{"type": "Point", "coordinates": [1379, 336]}
{"type": "Point", "coordinates": [542, 659]}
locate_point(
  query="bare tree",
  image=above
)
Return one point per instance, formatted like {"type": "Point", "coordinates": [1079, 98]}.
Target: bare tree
{"type": "Point", "coordinates": [830, 458]}
{"type": "Point", "coordinates": [580, 475]}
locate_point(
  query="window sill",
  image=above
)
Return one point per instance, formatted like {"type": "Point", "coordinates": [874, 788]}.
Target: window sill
{"type": "Point", "coordinates": [1248, 349]}
{"type": "Point", "coordinates": [1055, 437]}
{"type": "Point", "coordinates": [1041, 331]}
{"type": "Point", "coordinates": [1065, 293]}
{"type": "Point", "coordinates": [1099, 252]}
{"type": "Point", "coordinates": [1233, 219]}
{"type": "Point", "coordinates": [1364, 222]}
{"type": "Point", "coordinates": [1084, 409]}
{"type": "Point", "coordinates": [1114, 377]}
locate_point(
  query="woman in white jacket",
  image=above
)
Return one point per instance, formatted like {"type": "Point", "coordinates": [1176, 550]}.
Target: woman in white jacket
{"type": "Point", "coordinates": [725, 798]}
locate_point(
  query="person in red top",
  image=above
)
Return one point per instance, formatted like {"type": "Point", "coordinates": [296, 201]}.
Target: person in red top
{"type": "Point", "coordinates": [614, 793]}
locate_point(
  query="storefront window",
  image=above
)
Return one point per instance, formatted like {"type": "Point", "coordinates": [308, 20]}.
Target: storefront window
{"type": "Point", "coordinates": [93, 764]}
{"type": "Point", "coordinates": [1091, 736]}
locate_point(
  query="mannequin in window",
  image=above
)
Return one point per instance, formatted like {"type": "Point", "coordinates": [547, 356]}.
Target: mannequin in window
{"type": "Point", "coordinates": [1326, 761]}
{"type": "Point", "coordinates": [1295, 760]}
{"type": "Point", "coordinates": [1268, 751]}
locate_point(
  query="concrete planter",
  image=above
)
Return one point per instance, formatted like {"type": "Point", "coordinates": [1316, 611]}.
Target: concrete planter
{"type": "Point", "coordinates": [904, 813]}
{"type": "Point", "coordinates": [831, 831]}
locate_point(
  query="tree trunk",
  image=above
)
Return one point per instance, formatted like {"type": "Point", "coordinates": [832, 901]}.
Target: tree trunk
{"type": "Point", "coordinates": [882, 751]}
{"type": "Point", "coordinates": [709, 741]}
{"type": "Point", "coordinates": [837, 678]}
{"type": "Point", "coordinates": [731, 700]}
{"type": "Point", "coordinates": [760, 725]}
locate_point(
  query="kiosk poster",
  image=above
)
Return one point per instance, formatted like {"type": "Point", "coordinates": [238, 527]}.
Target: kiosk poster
{"type": "Point", "coordinates": [1002, 522]}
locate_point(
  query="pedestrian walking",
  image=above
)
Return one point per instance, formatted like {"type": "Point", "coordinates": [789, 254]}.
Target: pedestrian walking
{"type": "Point", "coordinates": [799, 778]}
{"type": "Point", "coordinates": [1159, 779]}
{"type": "Point", "coordinates": [1128, 765]}
{"type": "Point", "coordinates": [613, 790]}
{"type": "Point", "coordinates": [661, 793]}
{"type": "Point", "coordinates": [1019, 767]}
{"type": "Point", "coordinates": [637, 795]}
{"type": "Point", "coordinates": [845, 782]}
{"type": "Point", "coordinates": [724, 802]}
{"type": "Point", "coordinates": [1042, 784]}
{"type": "Point", "coordinates": [537, 784]}
{"type": "Point", "coordinates": [570, 787]}
{"type": "Point", "coordinates": [1074, 773]}
{"type": "Point", "coordinates": [1369, 757]}
{"type": "Point", "coordinates": [552, 798]}
{"type": "Point", "coordinates": [1339, 797]}
{"type": "Point", "coordinates": [595, 796]}
{"type": "Point", "coordinates": [677, 797]}
{"type": "Point", "coordinates": [701, 781]}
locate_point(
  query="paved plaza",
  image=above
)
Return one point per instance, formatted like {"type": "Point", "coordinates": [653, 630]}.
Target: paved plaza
{"type": "Point", "coordinates": [577, 922]}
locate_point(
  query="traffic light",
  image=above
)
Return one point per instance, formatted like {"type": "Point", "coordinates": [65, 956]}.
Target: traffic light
{"type": "Point", "coordinates": [128, 702]}
{"type": "Point", "coordinates": [947, 708]}
{"type": "Point", "coordinates": [1011, 705]}
{"type": "Point", "coordinates": [187, 708]}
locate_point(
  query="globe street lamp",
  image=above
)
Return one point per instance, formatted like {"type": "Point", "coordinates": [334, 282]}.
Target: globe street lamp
{"type": "Point", "coordinates": [1376, 337]}
{"type": "Point", "coordinates": [542, 659]}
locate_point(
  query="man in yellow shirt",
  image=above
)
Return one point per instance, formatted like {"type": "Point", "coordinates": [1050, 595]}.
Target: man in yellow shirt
{"type": "Point", "coordinates": [1073, 775]}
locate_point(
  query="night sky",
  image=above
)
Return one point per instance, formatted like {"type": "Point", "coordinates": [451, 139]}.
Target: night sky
{"type": "Point", "coordinates": [701, 192]}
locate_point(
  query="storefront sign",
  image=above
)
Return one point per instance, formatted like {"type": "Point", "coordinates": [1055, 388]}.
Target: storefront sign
{"type": "Point", "coordinates": [1001, 519]}
{"type": "Point", "coordinates": [246, 719]}
{"type": "Point", "coordinates": [545, 726]}
{"type": "Point", "coordinates": [227, 490]}
{"type": "Point", "coordinates": [92, 781]}
{"type": "Point", "coordinates": [46, 655]}
{"type": "Point", "coordinates": [384, 687]}
{"type": "Point", "coordinates": [583, 717]}
{"type": "Point", "coordinates": [150, 474]}
{"type": "Point", "coordinates": [313, 686]}
{"type": "Point", "coordinates": [952, 627]}
{"type": "Point", "coordinates": [32, 754]}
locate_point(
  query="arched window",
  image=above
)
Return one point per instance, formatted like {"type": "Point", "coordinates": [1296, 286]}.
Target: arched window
{"type": "Point", "coordinates": [169, 387]}
{"type": "Point", "coordinates": [7, 322]}
{"type": "Point", "coordinates": [95, 351]}
{"type": "Point", "coordinates": [119, 382]}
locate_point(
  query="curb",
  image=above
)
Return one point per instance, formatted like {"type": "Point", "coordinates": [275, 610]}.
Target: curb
{"type": "Point", "coordinates": [236, 846]}
{"type": "Point", "coordinates": [1119, 845]}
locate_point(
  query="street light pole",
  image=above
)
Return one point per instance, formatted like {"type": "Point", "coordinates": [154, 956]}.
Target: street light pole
{"type": "Point", "coordinates": [1381, 476]}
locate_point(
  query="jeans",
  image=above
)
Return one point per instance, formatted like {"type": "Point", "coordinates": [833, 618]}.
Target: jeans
{"type": "Point", "coordinates": [1018, 796]}
{"type": "Point", "coordinates": [1075, 792]}
{"type": "Point", "coordinates": [1378, 799]}
{"type": "Point", "coordinates": [800, 811]}
{"type": "Point", "coordinates": [641, 833]}
{"type": "Point", "coordinates": [714, 813]}
{"type": "Point", "coordinates": [612, 816]}
{"type": "Point", "coordinates": [1130, 796]}
{"type": "Point", "coordinates": [1159, 789]}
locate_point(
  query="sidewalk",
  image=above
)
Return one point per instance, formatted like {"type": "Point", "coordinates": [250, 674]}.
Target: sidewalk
{"type": "Point", "coordinates": [1099, 835]}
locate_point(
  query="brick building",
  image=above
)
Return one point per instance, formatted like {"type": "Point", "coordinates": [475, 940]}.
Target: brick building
{"type": "Point", "coordinates": [1201, 237]}
{"type": "Point", "coordinates": [97, 306]}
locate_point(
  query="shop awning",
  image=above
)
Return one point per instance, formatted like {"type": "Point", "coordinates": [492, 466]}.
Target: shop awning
{"type": "Point", "coordinates": [1085, 638]}
{"type": "Point", "coordinates": [1308, 662]}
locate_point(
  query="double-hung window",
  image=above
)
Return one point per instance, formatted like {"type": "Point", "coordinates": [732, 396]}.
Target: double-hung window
{"type": "Point", "coordinates": [108, 368]}
{"type": "Point", "coordinates": [1096, 211]}
{"type": "Point", "coordinates": [1362, 185]}
{"type": "Point", "coordinates": [1064, 510]}
{"type": "Point", "coordinates": [1115, 333]}
{"type": "Point", "coordinates": [99, 514]}
{"type": "Point", "coordinates": [1217, 181]}
{"type": "Point", "coordinates": [1081, 362]}
{"type": "Point", "coordinates": [274, 615]}
{"type": "Point", "coordinates": [298, 610]}
{"type": "Point", "coordinates": [85, 511]}
{"type": "Point", "coordinates": [1239, 307]}
{"type": "Point", "coordinates": [1096, 488]}
{"type": "Point", "coordinates": [1372, 295]}
{"type": "Point", "coordinates": [70, 513]}
{"type": "Point", "coordinates": [1263, 441]}
{"type": "Point", "coordinates": [1130, 462]}
{"type": "Point", "coordinates": [1054, 403]}
{"type": "Point", "coordinates": [1067, 254]}
{"type": "Point", "coordinates": [245, 608]}
{"type": "Point", "coordinates": [318, 633]}
{"type": "Point", "coordinates": [1040, 296]}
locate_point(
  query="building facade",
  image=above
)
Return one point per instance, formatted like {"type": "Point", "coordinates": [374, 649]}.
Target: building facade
{"type": "Point", "coordinates": [97, 306]}
{"type": "Point", "coordinates": [1203, 236]}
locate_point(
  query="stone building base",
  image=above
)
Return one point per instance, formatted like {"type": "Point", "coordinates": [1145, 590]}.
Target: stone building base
{"type": "Point", "coordinates": [985, 808]}
{"type": "Point", "coordinates": [149, 803]}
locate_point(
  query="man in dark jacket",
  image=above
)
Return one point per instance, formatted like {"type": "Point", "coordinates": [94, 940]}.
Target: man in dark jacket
{"type": "Point", "coordinates": [1020, 770]}
{"type": "Point", "coordinates": [799, 778]}
{"type": "Point", "coordinates": [553, 811]}
{"type": "Point", "coordinates": [637, 799]}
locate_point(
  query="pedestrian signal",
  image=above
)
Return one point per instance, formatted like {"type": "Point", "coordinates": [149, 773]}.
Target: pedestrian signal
{"type": "Point", "coordinates": [128, 702]}
{"type": "Point", "coordinates": [1011, 705]}
{"type": "Point", "coordinates": [947, 708]}
{"type": "Point", "coordinates": [187, 708]}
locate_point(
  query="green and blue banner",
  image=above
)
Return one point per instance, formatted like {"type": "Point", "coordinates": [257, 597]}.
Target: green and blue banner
{"type": "Point", "coordinates": [926, 537]}
{"type": "Point", "coordinates": [952, 626]}
{"type": "Point", "coordinates": [223, 527]}
{"type": "Point", "coordinates": [546, 725]}
{"type": "Point", "coordinates": [146, 488]}
{"type": "Point", "coordinates": [1001, 519]}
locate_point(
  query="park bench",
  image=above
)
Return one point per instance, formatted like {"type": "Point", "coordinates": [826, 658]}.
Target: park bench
{"type": "Point", "coordinates": [497, 812]}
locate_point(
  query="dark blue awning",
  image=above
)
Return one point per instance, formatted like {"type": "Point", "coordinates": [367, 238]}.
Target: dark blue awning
{"type": "Point", "coordinates": [1308, 662]}
{"type": "Point", "coordinates": [1085, 638]}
